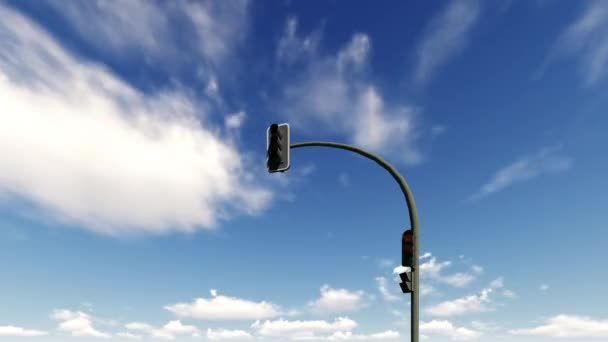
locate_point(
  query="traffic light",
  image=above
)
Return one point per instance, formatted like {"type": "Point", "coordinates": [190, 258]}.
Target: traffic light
{"type": "Point", "coordinates": [277, 148]}
{"type": "Point", "coordinates": [407, 282]}
{"type": "Point", "coordinates": [407, 249]}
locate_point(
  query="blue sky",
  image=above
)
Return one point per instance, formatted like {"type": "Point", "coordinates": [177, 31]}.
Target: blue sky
{"type": "Point", "coordinates": [135, 204]}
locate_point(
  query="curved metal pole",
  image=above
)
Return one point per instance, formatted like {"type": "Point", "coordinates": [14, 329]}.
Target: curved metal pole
{"type": "Point", "coordinates": [413, 214]}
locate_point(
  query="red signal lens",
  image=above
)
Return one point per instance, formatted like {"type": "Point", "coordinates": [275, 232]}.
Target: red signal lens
{"type": "Point", "coordinates": [408, 237]}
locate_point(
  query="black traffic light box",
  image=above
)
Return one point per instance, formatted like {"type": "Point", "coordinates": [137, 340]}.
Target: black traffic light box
{"type": "Point", "coordinates": [277, 147]}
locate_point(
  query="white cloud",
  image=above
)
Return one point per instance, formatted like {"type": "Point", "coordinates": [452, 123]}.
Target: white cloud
{"type": "Point", "coordinates": [223, 334]}
{"type": "Point", "coordinates": [461, 306]}
{"type": "Point", "coordinates": [388, 295]}
{"type": "Point", "coordinates": [77, 323]}
{"type": "Point", "coordinates": [12, 331]}
{"type": "Point", "coordinates": [458, 279]}
{"type": "Point", "coordinates": [568, 326]}
{"type": "Point", "coordinates": [150, 29]}
{"type": "Point", "coordinates": [219, 26]}
{"type": "Point", "coordinates": [235, 120]}
{"type": "Point", "coordinates": [546, 161]}
{"type": "Point", "coordinates": [356, 53]}
{"type": "Point", "coordinates": [292, 48]}
{"type": "Point", "coordinates": [447, 329]}
{"type": "Point", "coordinates": [225, 308]}
{"type": "Point", "coordinates": [587, 39]}
{"type": "Point", "coordinates": [446, 35]}
{"type": "Point", "coordinates": [477, 269]}
{"type": "Point", "coordinates": [544, 287]}
{"type": "Point", "coordinates": [509, 294]}
{"type": "Point", "coordinates": [169, 331]}
{"type": "Point", "coordinates": [426, 289]}
{"type": "Point", "coordinates": [333, 92]}
{"type": "Point", "coordinates": [497, 283]}
{"type": "Point", "coordinates": [285, 328]}
{"type": "Point", "coordinates": [129, 335]}
{"type": "Point", "coordinates": [485, 326]}
{"type": "Point", "coordinates": [426, 255]}
{"type": "Point", "coordinates": [337, 300]}
{"type": "Point", "coordinates": [433, 269]}
{"type": "Point", "coordinates": [95, 151]}
{"type": "Point", "coordinates": [349, 336]}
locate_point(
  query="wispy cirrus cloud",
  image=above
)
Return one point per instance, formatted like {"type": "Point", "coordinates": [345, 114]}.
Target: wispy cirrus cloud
{"type": "Point", "coordinates": [446, 35]}
{"type": "Point", "coordinates": [586, 40]}
{"type": "Point", "coordinates": [292, 47]}
{"type": "Point", "coordinates": [152, 29]}
{"type": "Point", "coordinates": [433, 269]}
{"type": "Point", "coordinates": [387, 294]}
{"type": "Point", "coordinates": [99, 153]}
{"type": "Point", "coordinates": [546, 161]}
{"type": "Point", "coordinates": [334, 92]}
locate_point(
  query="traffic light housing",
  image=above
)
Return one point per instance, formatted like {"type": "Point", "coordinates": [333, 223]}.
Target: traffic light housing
{"type": "Point", "coordinates": [407, 249]}
{"type": "Point", "coordinates": [277, 147]}
{"type": "Point", "coordinates": [407, 282]}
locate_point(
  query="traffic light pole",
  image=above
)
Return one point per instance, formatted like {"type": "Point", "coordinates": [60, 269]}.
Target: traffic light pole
{"type": "Point", "coordinates": [413, 214]}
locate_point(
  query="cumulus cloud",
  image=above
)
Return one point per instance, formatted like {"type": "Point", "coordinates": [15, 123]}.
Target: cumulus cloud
{"type": "Point", "coordinates": [13, 331]}
{"type": "Point", "coordinates": [129, 335]}
{"type": "Point", "coordinates": [446, 35]}
{"type": "Point", "coordinates": [225, 308]}
{"type": "Point", "coordinates": [334, 92]}
{"type": "Point", "coordinates": [77, 323]}
{"type": "Point", "coordinates": [568, 326]}
{"type": "Point", "coordinates": [169, 331]}
{"type": "Point", "coordinates": [349, 336]}
{"type": "Point", "coordinates": [447, 329]}
{"type": "Point", "coordinates": [298, 329]}
{"type": "Point", "coordinates": [337, 300]}
{"type": "Point", "coordinates": [95, 151]}
{"type": "Point", "coordinates": [546, 161]}
{"type": "Point", "coordinates": [485, 326]}
{"type": "Point", "coordinates": [224, 334]}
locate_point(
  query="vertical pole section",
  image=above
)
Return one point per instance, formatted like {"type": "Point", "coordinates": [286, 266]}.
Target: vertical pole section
{"type": "Point", "coordinates": [413, 215]}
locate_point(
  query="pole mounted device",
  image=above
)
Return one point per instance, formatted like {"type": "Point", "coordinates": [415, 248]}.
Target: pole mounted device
{"type": "Point", "coordinates": [407, 260]}
{"type": "Point", "coordinates": [277, 148]}
{"type": "Point", "coordinates": [410, 279]}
